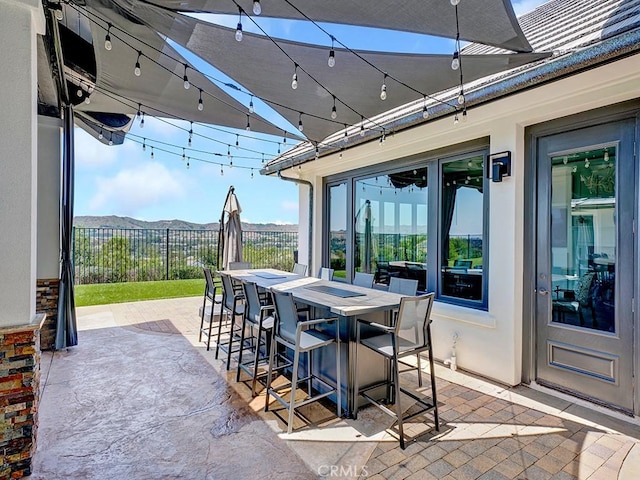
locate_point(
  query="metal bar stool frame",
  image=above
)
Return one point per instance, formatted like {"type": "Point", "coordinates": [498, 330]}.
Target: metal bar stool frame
{"type": "Point", "coordinates": [211, 295]}
{"type": "Point", "coordinates": [301, 338]}
{"type": "Point", "coordinates": [232, 307]}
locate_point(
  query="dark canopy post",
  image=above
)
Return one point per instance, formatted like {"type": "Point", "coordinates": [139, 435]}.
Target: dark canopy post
{"type": "Point", "coordinates": [67, 333]}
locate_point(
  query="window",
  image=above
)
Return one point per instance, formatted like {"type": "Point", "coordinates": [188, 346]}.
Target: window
{"type": "Point", "coordinates": [461, 227]}
{"type": "Point", "coordinates": [391, 225]}
{"type": "Point", "coordinates": [386, 219]}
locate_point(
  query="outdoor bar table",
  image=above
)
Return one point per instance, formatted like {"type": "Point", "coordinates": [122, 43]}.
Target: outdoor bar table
{"type": "Point", "coordinates": [347, 302]}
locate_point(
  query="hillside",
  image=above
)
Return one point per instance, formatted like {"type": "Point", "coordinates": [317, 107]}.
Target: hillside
{"type": "Point", "coordinates": [112, 221]}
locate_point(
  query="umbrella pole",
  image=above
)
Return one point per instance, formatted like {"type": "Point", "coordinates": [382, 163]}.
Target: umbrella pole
{"type": "Point", "coordinates": [221, 228]}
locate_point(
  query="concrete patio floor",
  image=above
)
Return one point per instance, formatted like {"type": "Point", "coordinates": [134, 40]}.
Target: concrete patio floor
{"type": "Point", "coordinates": [140, 398]}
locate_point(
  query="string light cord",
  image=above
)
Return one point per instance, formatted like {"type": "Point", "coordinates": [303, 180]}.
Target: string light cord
{"type": "Point", "coordinates": [101, 22]}
{"type": "Point", "coordinates": [302, 69]}
{"type": "Point", "coordinates": [368, 62]}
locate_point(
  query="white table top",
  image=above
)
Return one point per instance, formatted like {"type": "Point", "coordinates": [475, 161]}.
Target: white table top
{"type": "Point", "coordinates": [371, 300]}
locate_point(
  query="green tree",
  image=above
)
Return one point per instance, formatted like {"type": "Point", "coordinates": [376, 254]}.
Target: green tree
{"type": "Point", "coordinates": [116, 254]}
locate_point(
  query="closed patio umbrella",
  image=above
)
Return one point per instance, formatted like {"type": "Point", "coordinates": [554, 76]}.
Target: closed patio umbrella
{"type": "Point", "coordinates": [230, 238]}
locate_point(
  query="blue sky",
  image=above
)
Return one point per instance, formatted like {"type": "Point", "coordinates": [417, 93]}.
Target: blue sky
{"type": "Point", "coordinates": [123, 180]}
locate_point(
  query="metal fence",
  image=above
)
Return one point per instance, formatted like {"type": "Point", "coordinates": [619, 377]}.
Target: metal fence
{"type": "Point", "coordinates": [109, 255]}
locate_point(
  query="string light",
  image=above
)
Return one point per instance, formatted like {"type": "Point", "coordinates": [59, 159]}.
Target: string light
{"type": "Point", "coordinates": [136, 70]}
{"type": "Point", "coordinates": [461, 97]}
{"type": "Point", "coordinates": [257, 8]}
{"type": "Point", "coordinates": [284, 138]}
{"type": "Point", "coordinates": [144, 144]}
{"type": "Point", "coordinates": [100, 135]}
{"type": "Point", "coordinates": [200, 104]}
{"type": "Point", "coordinates": [455, 62]}
{"type": "Point", "coordinates": [332, 54]}
{"type": "Point", "coordinates": [361, 126]}
{"type": "Point", "coordinates": [237, 141]}
{"type": "Point", "coordinates": [455, 119]}
{"type": "Point", "coordinates": [87, 100]}
{"type": "Point", "coordinates": [185, 78]}
{"type": "Point", "coordinates": [425, 110]}
{"type": "Point", "coordinates": [317, 151]}
{"type": "Point", "coordinates": [190, 133]}
{"type": "Point", "coordinates": [239, 27]}
{"type": "Point", "coordinates": [188, 166]}
{"type": "Point", "coordinates": [464, 115]}
{"type": "Point", "coordinates": [248, 127]}
{"type": "Point", "coordinates": [278, 148]}
{"type": "Point", "coordinates": [142, 120]}
{"type": "Point", "coordinates": [221, 171]}
{"type": "Point", "coordinates": [383, 89]}
{"type": "Point", "coordinates": [107, 38]}
{"type": "Point", "coordinates": [138, 113]}
{"type": "Point", "coordinates": [184, 157]}
{"type": "Point", "coordinates": [300, 126]}
{"type": "Point", "coordinates": [79, 92]}
{"type": "Point", "coordinates": [111, 139]}
{"type": "Point", "coordinates": [252, 174]}
{"type": "Point", "coordinates": [251, 109]}
{"type": "Point", "coordinates": [334, 112]}
{"type": "Point", "coordinates": [231, 163]}
{"type": "Point", "coordinates": [151, 153]}
{"type": "Point", "coordinates": [294, 78]}
{"type": "Point", "coordinates": [229, 152]}
{"type": "Point", "coordinates": [455, 2]}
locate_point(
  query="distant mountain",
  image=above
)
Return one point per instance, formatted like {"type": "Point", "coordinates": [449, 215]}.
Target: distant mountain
{"type": "Point", "coordinates": [113, 221]}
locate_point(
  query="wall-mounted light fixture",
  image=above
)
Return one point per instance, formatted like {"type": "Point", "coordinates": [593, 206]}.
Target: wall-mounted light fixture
{"type": "Point", "coordinates": [500, 165]}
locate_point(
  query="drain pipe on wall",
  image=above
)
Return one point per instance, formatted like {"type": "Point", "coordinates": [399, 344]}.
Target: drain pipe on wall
{"type": "Point", "coordinates": [310, 239]}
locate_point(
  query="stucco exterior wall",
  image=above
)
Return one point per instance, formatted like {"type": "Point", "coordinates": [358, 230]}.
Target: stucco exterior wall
{"type": "Point", "coordinates": [489, 342]}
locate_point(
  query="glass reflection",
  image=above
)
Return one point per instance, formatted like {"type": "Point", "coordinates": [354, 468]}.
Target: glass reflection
{"type": "Point", "coordinates": [338, 230]}
{"type": "Point", "coordinates": [391, 226]}
{"type": "Point", "coordinates": [462, 217]}
{"type": "Point", "coordinates": [583, 238]}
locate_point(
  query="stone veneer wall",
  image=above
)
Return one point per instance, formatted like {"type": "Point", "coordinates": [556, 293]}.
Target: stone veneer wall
{"type": "Point", "coordinates": [47, 302]}
{"type": "Point", "coordinates": [19, 398]}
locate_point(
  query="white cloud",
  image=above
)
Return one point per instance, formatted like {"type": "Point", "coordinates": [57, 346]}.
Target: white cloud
{"type": "Point", "coordinates": [89, 152]}
{"type": "Point", "coordinates": [133, 189]}
{"type": "Point", "coordinates": [525, 6]}
{"type": "Point", "coordinates": [289, 206]}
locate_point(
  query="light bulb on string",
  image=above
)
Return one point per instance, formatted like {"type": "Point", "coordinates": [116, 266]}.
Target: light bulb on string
{"type": "Point", "coordinates": [294, 78]}
{"type": "Point", "coordinates": [332, 55]}
{"type": "Point", "coordinates": [188, 165]}
{"type": "Point", "coordinates": [110, 139]}
{"type": "Point", "coordinates": [142, 120]}
{"type": "Point", "coordinates": [263, 158]}
{"type": "Point", "coordinates": [300, 125]}
{"type": "Point", "coordinates": [100, 135]}
{"type": "Point", "coordinates": [239, 27]}
{"type": "Point", "coordinates": [231, 163]}
{"type": "Point", "coordinates": [190, 133]}
{"type": "Point", "coordinates": [251, 109]}
{"type": "Point", "coordinates": [221, 171]}
{"type": "Point", "coordinates": [284, 137]}
{"type": "Point", "coordinates": [252, 174]}
{"type": "Point", "coordinates": [257, 8]}
{"type": "Point", "coordinates": [87, 100]}
{"type": "Point", "coordinates": [455, 62]}
{"type": "Point", "coordinates": [461, 97]}
{"type": "Point", "coordinates": [136, 71]}
{"type": "Point", "coordinates": [361, 126]}
{"type": "Point", "coordinates": [186, 83]}
{"type": "Point", "coordinates": [229, 151]}
{"type": "Point", "coordinates": [200, 104]}
{"type": "Point", "coordinates": [237, 141]}
{"type": "Point", "coordinates": [383, 88]}
{"type": "Point", "coordinates": [248, 127]}
{"type": "Point", "coordinates": [317, 152]}
{"type": "Point", "coordinates": [152, 153]}
{"type": "Point", "coordinates": [144, 144]}
{"type": "Point", "coordinates": [345, 139]}
{"type": "Point", "coordinates": [79, 92]}
{"type": "Point", "coordinates": [454, 2]}
{"type": "Point", "coordinates": [183, 155]}
{"type": "Point", "coordinates": [138, 113]}
{"type": "Point", "coordinates": [334, 112]}
{"type": "Point", "coordinates": [107, 38]}
{"type": "Point", "coordinates": [464, 115]}
{"type": "Point", "coordinates": [425, 110]}
{"type": "Point", "coordinates": [455, 119]}
{"type": "Point", "coordinates": [278, 148]}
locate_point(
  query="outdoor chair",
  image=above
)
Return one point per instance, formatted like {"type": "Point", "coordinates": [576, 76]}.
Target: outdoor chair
{"type": "Point", "coordinates": [382, 274]}
{"type": "Point", "coordinates": [403, 286]}
{"type": "Point", "coordinates": [258, 320]}
{"type": "Point", "coordinates": [363, 279]}
{"type": "Point", "coordinates": [325, 273]}
{"type": "Point", "coordinates": [576, 301]}
{"type": "Point", "coordinates": [411, 335]}
{"type": "Point", "coordinates": [301, 335]}
{"type": "Point", "coordinates": [239, 265]}
{"type": "Point", "coordinates": [232, 307]}
{"type": "Point", "coordinates": [210, 307]}
{"type": "Point", "coordinates": [300, 269]}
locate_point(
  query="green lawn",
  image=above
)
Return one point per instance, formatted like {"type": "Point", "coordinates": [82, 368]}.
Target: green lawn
{"type": "Point", "coordinates": [105, 293]}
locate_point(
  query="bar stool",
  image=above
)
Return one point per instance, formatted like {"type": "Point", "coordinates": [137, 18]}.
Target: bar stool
{"type": "Point", "coordinates": [256, 318]}
{"type": "Point", "coordinates": [232, 307]}
{"type": "Point", "coordinates": [301, 336]}
{"type": "Point", "coordinates": [209, 311]}
{"type": "Point", "coordinates": [410, 335]}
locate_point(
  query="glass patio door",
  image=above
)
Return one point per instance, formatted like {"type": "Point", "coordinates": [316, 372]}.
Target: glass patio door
{"type": "Point", "coordinates": [585, 263]}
